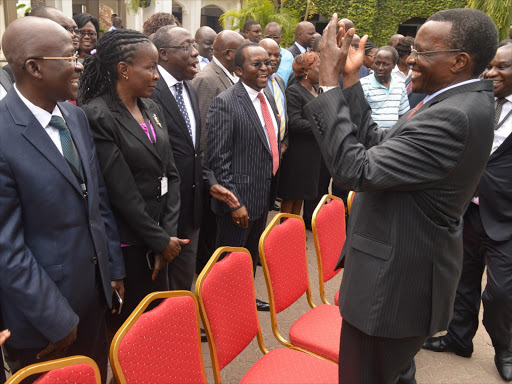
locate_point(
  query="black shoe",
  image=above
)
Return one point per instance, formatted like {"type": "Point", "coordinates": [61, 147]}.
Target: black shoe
{"type": "Point", "coordinates": [503, 361]}
{"type": "Point", "coordinates": [262, 306]}
{"type": "Point", "coordinates": [439, 344]}
{"type": "Point", "coordinates": [276, 207]}
{"type": "Point", "coordinates": [204, 339]}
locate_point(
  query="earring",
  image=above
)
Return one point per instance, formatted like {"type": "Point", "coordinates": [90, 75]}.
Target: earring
{"type": "Point", "coordinates": [306, 76]}
{"type": "Point", "coordinates": [125, 77]}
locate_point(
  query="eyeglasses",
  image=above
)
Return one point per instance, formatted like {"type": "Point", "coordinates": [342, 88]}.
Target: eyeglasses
{"type": "Point", "coordinates": [258, 64]}
{"type": "Point", "coordinates": [90, 34]}
{"type": "Point", "coordinates": [76, 31]}
{"type": "Point", "coordinates": [186, 48]}
{"type": "Point", "coordinates": [72, 59]}
{"type": "Point", "coordinates": [415, 53]}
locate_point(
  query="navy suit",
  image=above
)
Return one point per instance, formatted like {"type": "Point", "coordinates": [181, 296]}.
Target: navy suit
{"type": "Point", "coordinates": [56, 245]}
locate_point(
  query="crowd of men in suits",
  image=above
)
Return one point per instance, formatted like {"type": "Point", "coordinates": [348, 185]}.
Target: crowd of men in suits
{"type": "Point", "coordinates": [417, 223]}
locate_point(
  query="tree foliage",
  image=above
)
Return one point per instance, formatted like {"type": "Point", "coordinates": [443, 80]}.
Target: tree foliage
{"type": "Point", "coordinates": [264, 12]}
{"type": "Point", "coordinates": [498, 10]}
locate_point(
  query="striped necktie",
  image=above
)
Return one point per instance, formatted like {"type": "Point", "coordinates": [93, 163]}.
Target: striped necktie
{"type": "Point", "coordinates": [280, 106]}
{"type": "Point", "coordinates": [499, 107]}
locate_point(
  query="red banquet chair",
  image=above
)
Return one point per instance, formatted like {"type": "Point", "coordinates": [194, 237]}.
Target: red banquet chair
{"type": "Point", "coordinates": [227, 302]}
{"type": "Point", "coordinates": [283, 258]}
{"type": "Point", "coordinates": [328, 225]}
{"type": "Point", "coordinates": [73, 369]}
{"type": "Point", "coordinates": [161, 346]}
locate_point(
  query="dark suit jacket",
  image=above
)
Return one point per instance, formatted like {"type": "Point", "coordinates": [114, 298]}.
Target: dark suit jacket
{"type": "Point", "coordinates": [5, 80]}
{"type": "Point", "coordinates": [132, 167]}
{"type": "Point", "coordinates": [269, 94]}
{"type": "Point", "coordinates": [240, 156]}
{"type": "Point", "coordinates": [494, 193]}
{"type": "Point", "coordinates": [188, 158]}
{"type": "Point", "coordinates": [403, 253]}
{"type": "Point", "coordinates": [7, 69]}
{"type": "Point", "coordinates": [209, 83]}
{"type": "Point", "coordinates": [294, 50]}
{"type": "Point", "coordinates": [50, 236]}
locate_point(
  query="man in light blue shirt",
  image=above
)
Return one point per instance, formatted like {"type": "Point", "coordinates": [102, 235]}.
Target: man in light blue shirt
{"type": "Point", "coordinates": [273, 31]}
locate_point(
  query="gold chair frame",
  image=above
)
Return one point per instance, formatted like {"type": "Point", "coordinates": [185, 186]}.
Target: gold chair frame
{"type": "Point", "coordinates": [350, 198]}
{"type": "Point", "coordinates": [273, 315]}
{"type": "Point", "coordinates": [132, 319]}
{"type": "Point", "coordinates": [46, 366]}
{"type": "Point", "coordinates": [317, 243]}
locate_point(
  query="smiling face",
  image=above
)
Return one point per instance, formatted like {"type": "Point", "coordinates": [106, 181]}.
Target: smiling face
{"type": "Point", "coordinates": [89, 38]}
{"type": "Point", "coordinates": [254, 73]}
{"type": "Point", "coordinates": [432, 72]}
{"type": "Point", "coordinates": [274, 54]}
{"type": "Point", "coordinates": [142, 72]}
{"type": "Point", "coordinates": [500, 71]}
{"type": "Point", "coordinates": [204, 41]}
{"type": "Point", "coordinates": [254, 33]}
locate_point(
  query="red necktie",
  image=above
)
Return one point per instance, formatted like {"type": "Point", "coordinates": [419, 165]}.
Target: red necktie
{"type": "Point", "coordinates": [270, 131]}
{"type": "Point", "coordinates": [415, 109]}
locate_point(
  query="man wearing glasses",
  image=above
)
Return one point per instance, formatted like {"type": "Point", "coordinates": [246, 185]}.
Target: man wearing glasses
{"type": "Point", "coordinates": [244, 152]}
{"type": "Point", "coordinates": [403, 252]}
{"type": "Point", "coordinates": [59, 247]}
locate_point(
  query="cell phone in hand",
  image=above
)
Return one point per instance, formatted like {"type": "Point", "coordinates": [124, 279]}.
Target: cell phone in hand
{"type": "Point", "coordinates": [117, 302]}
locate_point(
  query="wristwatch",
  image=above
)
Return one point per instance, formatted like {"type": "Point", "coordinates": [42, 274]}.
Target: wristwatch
{"type": "Point", "coordinates": [323, 88]}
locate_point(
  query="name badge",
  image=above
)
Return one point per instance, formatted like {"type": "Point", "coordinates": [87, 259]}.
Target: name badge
{"type": "Point", "coordinates": [163, 185]}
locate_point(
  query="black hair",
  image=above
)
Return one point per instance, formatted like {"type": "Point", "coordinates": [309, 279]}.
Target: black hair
{"type": "Point", "coordinates": [368, 47]}
{"type": "Point", "coordinates": [390, 49]}
{"type": "Point", "coordinates": [472, 32]}
{"type": "Point", "coordinates": [100, 74]}
{"type": "Point", "coordinates": [83, 18]}
{"type": "Point", "coordinates": [403, 47]}
{"type": "Point", "coordinates": [248, 24]}
{"type": "Point", "coordinates": [240, 55]}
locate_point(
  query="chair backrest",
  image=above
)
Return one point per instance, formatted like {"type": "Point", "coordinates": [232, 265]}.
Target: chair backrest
{"type": "Point", "coordinates": [328, 225]}
{"type": "Point", "coordinates": [283, 257]}
{"type": "Point", "coordinates": [74, 369]}
{"type": "Point", "coordinates": [227, 301]}
{"type": "Point", "coordinates": [162, 345]}
{"type": "Point", "coordinates": [350, 199]}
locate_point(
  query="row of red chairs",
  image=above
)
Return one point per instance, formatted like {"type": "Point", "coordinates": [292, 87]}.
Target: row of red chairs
{"type": "Point", "coordinates": [163, 345]}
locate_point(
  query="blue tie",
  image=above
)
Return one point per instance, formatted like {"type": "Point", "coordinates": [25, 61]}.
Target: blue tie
{"type": "Point", "coordinates": [68, 146]}
{"type": "Point", "coordinates": [181, 105]}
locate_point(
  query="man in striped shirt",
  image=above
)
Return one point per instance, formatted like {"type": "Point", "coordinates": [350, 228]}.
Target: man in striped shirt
{"type": "Point", "coordinates": [385, 93]}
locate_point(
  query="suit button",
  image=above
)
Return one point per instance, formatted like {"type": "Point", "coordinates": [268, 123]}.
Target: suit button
{"type": "Point", "coordinates": [195, 155]}
{"type": "Point", "coordinates": [94, 260]}
{"type": "Point", "coordinates": [90, 223]}
{"type": "Point", "coordinates": [159, 198]}
{"type": "Point", "coordinates": [194, 186]}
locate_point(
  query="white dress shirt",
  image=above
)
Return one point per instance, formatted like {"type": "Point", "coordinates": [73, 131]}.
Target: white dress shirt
{"type": "Point", "coordinates": [505, 128]}
{"type": "Point", "coordinates": [301, 48]}
{"type": "Point", "coordinates": [234, 78]}
{"type": "Point", "coordinates": [253, 95]}
{"type": "Point", "coordinates": [203, 61]}
{"type": "Point", "coordinates": [171, 82]}
{"type": "Point", "coordinates": [397, 73]}
{"type": "Point", "coordinates": [44, 117]}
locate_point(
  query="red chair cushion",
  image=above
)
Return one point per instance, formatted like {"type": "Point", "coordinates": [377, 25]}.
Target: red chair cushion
{"type": "Point", "coordinates": [337, 297]}
{"type": "Point", "coordinates": [78, 373]}
{"type": "Point", "coordinates": [230, 304]}
{"type": "Point", "coordinates": [163, 345]}
{"type": "Point", "coordinates": [285, 252]}
{"type": "Point", "coordinates": [318, 331]}
{"type": "Point", "coordinates": [283, 366]}
{"type": "Point", "coordinates": [330, 227]}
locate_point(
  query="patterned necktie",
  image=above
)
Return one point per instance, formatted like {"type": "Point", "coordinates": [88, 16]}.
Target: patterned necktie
{"type": "Point", "coordinates": [415, 109]}
{"type": "Point", "coordinates": [269, 126]}
{"type": "Point", "coordinates": [497, 111]}
{"type": "Point", "coordinates": [280, 107]}
{"type": "Point", "coordinates": [68, 146]}
{"type": "Point", "coordinates": [181, 106]}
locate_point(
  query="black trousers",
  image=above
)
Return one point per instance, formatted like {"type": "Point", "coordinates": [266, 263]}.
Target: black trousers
{"type": "Point", "coordinates": [479, 251]}
{"type": "Point", "coordinates": [91, 338]}
{"type": "Point", "coordinates": [228, 234]}
{"type": "Point", "coordinates": [366, 359]}
{"type": "Point", "coordinates": [207, 235]}
{"type": "Point", "coordinates": [323, 188]}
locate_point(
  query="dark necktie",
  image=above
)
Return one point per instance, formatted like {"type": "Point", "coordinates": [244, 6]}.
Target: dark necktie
{"type": "Point", "coordinates": [497, 111]}
{"type": "Point", "coordinates": [68, 146]}
{"type": "Point", "coordinates": [181, 106]}
{"type": "Point", "coordinates": [270, 132]}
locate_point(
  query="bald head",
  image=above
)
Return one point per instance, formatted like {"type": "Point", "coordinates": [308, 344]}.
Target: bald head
{"type": "Point", "coordinates": [204, 41]}
{"type": "Point", "coordinates": [224, 47]}
{"type": "Point", "coordinates": [348, 24]}
{"type": "Point", "coordinates": [60, 18]}
{"type": "Point", "coordinates": [274, 31]}
{"type": "Point", "coordinates": [274, 53]}
{"type": "Point", "coordinates": [393, 40]}
{"type": "Point", "coordinates": [305, 34]}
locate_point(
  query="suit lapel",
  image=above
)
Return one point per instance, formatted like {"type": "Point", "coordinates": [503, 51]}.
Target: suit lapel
{"type": "Point", "coordinates": [160, 146]}
{"type": "Point", "coordinates": [168, 101]}
{"type": "Point", "coordinates": [195, 107]}
{"type": "Point", "coordinates": [223, 78]}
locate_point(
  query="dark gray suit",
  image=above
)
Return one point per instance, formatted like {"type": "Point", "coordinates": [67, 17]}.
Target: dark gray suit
{"type": "Point", "coordinates": [403, 252]}
{"type": "Point", "coordinates": [294, 50]}
{"type": "Point", "coordinates": [5, 80]}
{"type": "Point", "coordinates": [241, 160]}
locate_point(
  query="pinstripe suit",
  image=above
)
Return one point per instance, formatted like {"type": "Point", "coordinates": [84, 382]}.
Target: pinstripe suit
{"type": "Point", "coordinates": [241, 160]}
{"type": "Point", "coordinates": [403, 253]}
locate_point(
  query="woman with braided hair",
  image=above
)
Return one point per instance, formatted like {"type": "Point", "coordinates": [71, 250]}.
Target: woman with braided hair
{"type": "Point", "coordinates": [300, 167]}
{"type": "Point", "coordinates": [135, 158]}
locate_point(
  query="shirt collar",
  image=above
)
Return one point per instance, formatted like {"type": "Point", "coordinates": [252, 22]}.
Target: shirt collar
{"type": "Point", "coordinates": [509, 98]}
{"type": "Point", "coordinates": [301, 48]}
{"type": "Point", "coordinates": [375, 83]}
{"type": "Point", "coordinates": [232, 77]}
{"type": "Point", "coordinates": [253, 94]}
{"type": "Point", "coordinates": [42, 116]}
{"type": "Point", "coordinates": [430, 97]}
{"type": "Point", "coordinates": [169, 79]}
{"type": "Point", "coordinates": [203, 59]}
